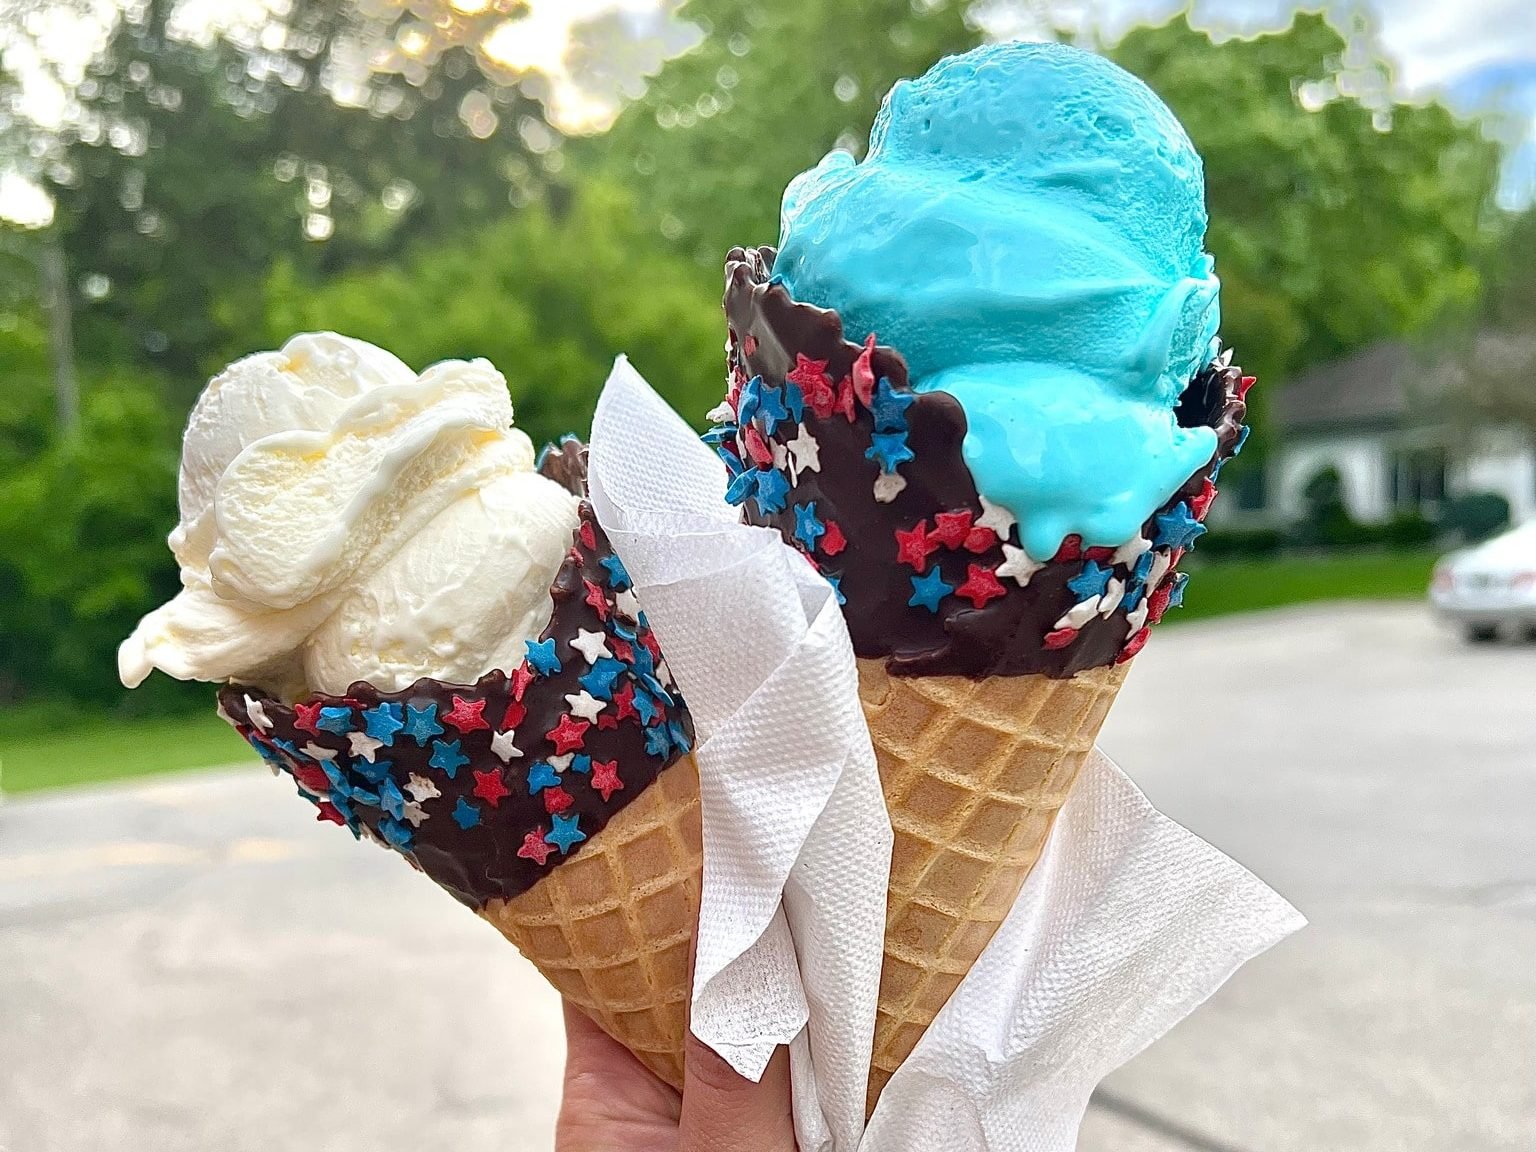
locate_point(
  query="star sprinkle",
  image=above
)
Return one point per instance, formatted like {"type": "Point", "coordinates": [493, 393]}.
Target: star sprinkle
{"type": "Point", "coordinates": [1134, 645]}
{"type": "Point", "coordinates": [1160, 565]}
{"type": "Point", "coordinates": [1142, 572]}
{"type": "Point", "coordinates": [628, 603]}
{"type": "Point", "coordinates": [757, 448]}
{"type": "Point", "coordinates": [421, 789]}
{"type": "Point", "coordinates": [1157, 603]}
{"type": "Point", "coordinates": [1091, 582]}
{"type": "Point", "coordinates": [679, 737]}
{"type": "Point", "coordinates": [1059, 639]}
{"type": "Point", "coordinates": [315, 752]}
{"type": "Point", "coordinates": [657, 743]}
{"type": "Point", "coordinates": [1114, 592]}
{"type": "Point", "coordinates": [888, 486]}
{"type": "Point", "coordinates": [844, 402]}
{"type": "Point", "coordinates": [585, 705]}
{"type": "Point", "coordinates": [952, 528]}
{"type": "Point", "coordinates": [373, 772]}
{"type": "Point", "coordinates": [751, 397]}
{"type": "Point", "coordinates": [981, 585]}
{"type": "Point", "coordinates": [1071, 549]}
{"type": "Point", "coordinates": [833, 541]}
{"type": "Point", "coordinates": [257, 711]}
{"type": "Point", "coordinates": [1176, 528]}
{"type": "Point", "coordinates": [864, 373]}
{"type": "Point", "coordinates": [592, 645]}
{"type": "Point", "coordinates": [836, 580]}
{"type": "Point", "coordinates": [363, 746]}
{"type": "Point", "coordinates": [915, 546]}
{"type": "Point", "coordinates": [587, 534]}
{"type": "Point", "coordinates": [1137, 620]}
{"type": "Point", "coordinates": [980, 540]}
{"type": "Point", "coordinates": [395, 834]}
{"type": "Point", "coordinates": [1079, 614]}
{"type": "Point", "coordinates": [624, 701]}
{"type": "Point", "coordinates": [809, 374]}
{"type": "Point", "coordinates": [466, 715]}
{"type": "Point", "coordinates": [521, 678]}
{"type": "Point", "coordinates": [383, 722]}
{"type": "Point", "coordinates": [772, 490]}
{"type": "Point", "coordinates": [771, 410]}
{"type": "Point", "coordinates": [329, 814]}
{"type": "Point", "coordinates": [996, 517]}
{"type": "Point", "coordinates": [569, 734]}
{"type": "Point", "coordinates": [1242, 439]}
{"type": "Point", "coordinates": [928, 591]}
{"type": "Point", "coordinates": [1017, 565]}
{"type": "Point", "coordinates": [580, 764]}
{"type": "Point", "coordinates": [306, 717]}
{"type": "Point", "coordinates": [1200, 506]}
{"type": "Point", "coordinates": [415, 813]}
{"type": "Point", "coordinates": [794, 400]}
{"type": "Point", "coordinates": [605, 778]}
{"type": "Point", "coordinates": [565, 835]}
{"type": "Point", "coordinates": [535, 847]}
{"type": "Point", "coordinates": [447, 758]}
{"type": "Point", "coordinates": [542, 775]}
{"type": "Point", "coordinates": [721, 413]}
{"type": "Point", "coordinates": [541, 656]}
{"type": "Point", "coordinates": [600, 680]}
{"type": "Point", "coordinates": [1244, 384]}
{"type": "Point", "coordinates": [465, 814]}
{"type": "Point", "coordinates": [805, 451]}
{"type": "Point", "coordinates": [490, 787]}
{"type": "Point", "coordinates": [1180, 582]}
{"type": "Point", "coordinates": [1131, 551]}
{"type": "Point", "coordinates": [890, 449]}
{"type": "Point", "coordinates": [808, 529]}
{"type": "Point", "coordinates": [503, 747]}
{"type": "Point", "coordinates": [562, 762]}
{"type": "Point", "coordinates": [890, 407]}
{"type": "Point", "coordinates": [390, 798]}
{"type": "Point", "coordinates": [617, 576]}
{"type": "Point", "coordinates": [421, 723]}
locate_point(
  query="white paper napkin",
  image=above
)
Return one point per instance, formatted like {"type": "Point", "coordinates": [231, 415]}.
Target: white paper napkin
{"type": "Point", "coordinates": [1126, 924]}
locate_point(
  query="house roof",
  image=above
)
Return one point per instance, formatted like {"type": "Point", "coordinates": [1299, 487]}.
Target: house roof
{"type": "Point", "coordinates": [1376, 385]}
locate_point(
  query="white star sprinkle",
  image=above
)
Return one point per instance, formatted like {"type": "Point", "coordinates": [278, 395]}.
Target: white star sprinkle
{"type": "Point", "coordinates": [1113, 594]}
{"type": "Point", "coordinates": [721, 413]}
{"type": "Point", "coordinates": [561, 763]}
{"type": "Point", "coordinates": [805, 451]}
{"type": "Point", "coordinates": [585, 705]}
{"type": "Point", "coordinates": [1137, 620]}
{"type": "Point", "coordinates": [663, 673]}
{"type": "Point", "coordinates": [1018, 565]}
{"type": "Point", "coordinates": [1079, 614]}
{"type": "Point", "coordinates": [502, 745]}
{"type": "Point", "coordinates": [888, 486]}
{"type": "Point", "coordinates": [421, 789]}
{"type": "Point", "coordinates": [364, 745]}
{"type": "Point", "coordinates": [1130, 552]}
{"type": "Point", "coordinates": [315, 752]}
{"type": "Point", "coordinates": [628, 604]}
{"type": "Point", "coordinates": [415, 813]}
{"type": "Point", "coordinates": [997, 518]}
{"type": "Point", "coordinates": [1160, 565]}
{"type": "Point", "coordinates": [592, 645]}
{"type": "Point", "coordinates": [780, 456]}
{"type": "Point", "coordinates": [1225, 359]}
{"type": "Point", "coordinates": [258, 714]}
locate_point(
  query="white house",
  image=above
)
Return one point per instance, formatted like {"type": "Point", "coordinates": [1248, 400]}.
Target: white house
{"type": "Point", "coordinates": [1361, 416]}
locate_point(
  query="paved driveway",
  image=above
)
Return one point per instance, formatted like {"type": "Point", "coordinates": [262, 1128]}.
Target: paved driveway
{"type": "Point", "coordinates": [191, 965]}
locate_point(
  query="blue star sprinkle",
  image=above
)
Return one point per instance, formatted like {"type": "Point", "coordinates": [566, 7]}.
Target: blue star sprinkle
{"type": "Point", "coordinates": [794, 400]}
{"type": "Point", "coordinates": [808, 529]}
{"type": "Point", "coordinates": [337, 720]}
{"type": "Point", "coordinates": [541, 776]}
{"type": "Point", "coordinates": [581, 763]}
{"type": "Point", "coordinates": [363, 796]}
{"type": "Point", "coordinates": [679, 737]}
{"type": "Point", "coordinates": [541, 656]}
{"type": "Point", "coordinates": [751, 399]}
{"type": "Point", "coordinates": [374, 772]}
{"type": "Point", "coordinates": [772, 411]}
{"type": "Point", "coordinates": [421, 723]}
{"type": "Point", "coordinates": [1176, 597]}
{"type": "Point", "coordinates": [645, 708]}
{"type": "Point", "coordinates": [1092, 581]}
{"type": "Point", "coordinates": [390, 798]}
{"type": "Point", "coordinates": [654, 687]}
{"type": "Point", "coordinates": [929, 590]}
{"type": "Point", "coordinates": [268, 753]}
{"type": "Point", "coordinates": [1134, 591]}
{"type": "Point", "coordinates": [395, 834]}
{"type": "Point", "coordinates": [600, 680]}
{"type": "Point", "coordinates": [890, 407]}
{"type": "Point", "coordinates": [772, 491]}
{"type": "Point", "coordinates": [1143, 569]}
{"type": "Point", "coordinates": [447, 758]}
{"type": "Point", "coordinates": [383, 722]}
{"type": "Point", "coordinates": [734, 468]}
{"type": "Point", "coordinates": [657, 743]}
{"type": "Point", "coordinates": [1176, 528]}
{"type": "Point", "coordinates": [720, 434]}
{"type": "Point", "coordinates": [465, 814]}
{"type": "Point", "coordinates": [836, 580]}
{"type": "Point", "coordinates": [1242, 438]}
{"type": "Point", "coordinates": [617, 576]}
{"type": "Point", "coordinates": [890, 448]}
{"type": "Point", "coordinates": [565, 835]}
{"type": "Point", "coordinates": [333, 774]}
{"type": "Point", "coordinates": [743, 486]}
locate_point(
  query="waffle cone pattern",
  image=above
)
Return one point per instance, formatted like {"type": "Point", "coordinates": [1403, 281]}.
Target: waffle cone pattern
{"type": "Point", "coordinates": [974, 772]}
{"type": "Point", "coordinates": [611, 927]}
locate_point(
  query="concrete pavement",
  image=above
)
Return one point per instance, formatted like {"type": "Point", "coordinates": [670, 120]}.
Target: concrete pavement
{"type": "Point", "coordinates": [192, 965]}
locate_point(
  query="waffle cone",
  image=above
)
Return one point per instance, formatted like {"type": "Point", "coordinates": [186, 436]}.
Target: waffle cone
{"type": "Point", "coordinates": [611, 927]}
{"type": "Point", "coordinates": [974, 772]}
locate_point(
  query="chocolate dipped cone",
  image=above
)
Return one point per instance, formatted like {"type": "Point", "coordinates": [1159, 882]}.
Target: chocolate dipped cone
{"type": "Point", "coordinates": [985, 676]}
{"type": "Point", "coordinates": [558, 799]}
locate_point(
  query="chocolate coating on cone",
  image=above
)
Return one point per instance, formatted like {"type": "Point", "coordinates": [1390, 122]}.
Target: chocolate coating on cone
{"type": "Point", "coordinates": [482, 820]}
{"type": "Point", "coordinates": [1015, 632]}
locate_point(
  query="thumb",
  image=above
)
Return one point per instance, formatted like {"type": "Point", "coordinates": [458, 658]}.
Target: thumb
{"type": "Point", "coordinates": [726, 1112]}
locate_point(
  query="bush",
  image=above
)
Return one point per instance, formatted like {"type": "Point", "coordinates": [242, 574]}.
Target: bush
{"type": "Point", "coordinates": [1477, 515]}
{"type": "Point", "coordinates": [1241, 543]}
{"type": "Point", "coordinates": [1410, 529]}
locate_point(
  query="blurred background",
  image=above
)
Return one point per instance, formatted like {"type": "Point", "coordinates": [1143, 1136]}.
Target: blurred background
{"type": "Point", "coordinates": [546, 183]}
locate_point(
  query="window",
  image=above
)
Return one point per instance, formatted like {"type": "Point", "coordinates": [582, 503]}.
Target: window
{"type": "Point", "coordinates": [1418, 479]}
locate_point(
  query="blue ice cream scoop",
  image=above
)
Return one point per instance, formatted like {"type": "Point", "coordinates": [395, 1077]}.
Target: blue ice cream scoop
{"type": "Point", "coordinates": [1028, 231]}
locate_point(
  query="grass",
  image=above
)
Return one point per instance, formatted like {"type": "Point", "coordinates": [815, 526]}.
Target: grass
{"type": "Point", "coordinates": [47, 749]}
{"type": "Point", "coordinates": [48, 754]}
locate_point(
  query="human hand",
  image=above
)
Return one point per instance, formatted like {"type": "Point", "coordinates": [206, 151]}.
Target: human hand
{"type": "Point", "coordinates": [611, 1103]}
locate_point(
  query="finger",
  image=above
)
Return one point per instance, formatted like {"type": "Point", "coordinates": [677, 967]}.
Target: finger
{"type": "Point", "coordinates": [609, 1099]}
{"type": "Point", "coordinates": [726, 1112]}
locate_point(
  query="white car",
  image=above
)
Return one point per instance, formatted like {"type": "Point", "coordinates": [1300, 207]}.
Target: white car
{"type": "Point", "coordinates": [1490, 589]}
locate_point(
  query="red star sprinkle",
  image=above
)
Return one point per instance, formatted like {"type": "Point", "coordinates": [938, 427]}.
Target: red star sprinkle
{"type": "Point", "coordinates": [757, 447]}
{"type": "Point", "coordinates": [329, 814]}
{"type": "Point", "coordinates": [1055, 641]}
{"type": "Point", "coordinates": [535, 847]}
{"type": "Point", "coordinates": [588, 534]}
{"type": "Point", "coordinates": [1244, 384]}
{"type": "Point", "coordinates": [557, 800]}
{"type": "Point", "coordinates": [648, 638]}
{"type": "Point", "coordinates": [596, 599]}
{"type": "Point", "coordinates": [1099, 555]}
{"type": "Point", "coordinates": [1136, 644]}
{"type": "Point", "coordinates": [1157, 603]}
{"type": "Point", "coordinates": [821, 398]}
{"type": "Point", "coordinates": [312, 778]}
{"type": "Point", "coordinates": [807, 372]}
{"type": "Point", "coordinates": [913, 548]}
{"type": "Point", "coordinates": [832, 540]}
{"type": "Point", "coordinates": [308, 714]}
{"type": "Point", "coordinates": [980, 585]}
{"type": "Point", "coordinates": [844, 401]}
{"type": "Point", "coordinates": [568, 735]}
{"type": "Point", "coordinates": [979, 540]}
{"type": "Point", "coordinates": [1071, 549]}
{"type": "Point", "coordinates": [749, 344]}
{"type": "Point", "coordinates": [624, 699]}
{"type": "Point", "coordinates": [466, 715]}
{"type": "Point", "coordinates": [490, 788]}
{"type": "Point", "coordinates": [605, 778]}
{"type": "Point", "coordinates": [952, 528]}
{"type": "Point", "coordinates": [606, 721]}
{"type": "Point", "coordinates": [1200, 505]}
{"type": "Point", "coordinates": [864, 373]}
{"type": "Point", "coordinates": [515, 713]}
{"type": "Point", "coordinates": [622, 649]}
